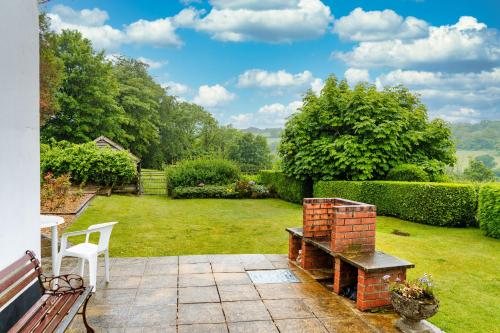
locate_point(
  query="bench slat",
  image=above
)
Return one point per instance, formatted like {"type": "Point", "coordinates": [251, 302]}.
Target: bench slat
{"type": "Point", "coordinates": [11, 280]}
{"type": "Point", "coordinates": [62, 311]}
{"type": "Point", "coordinates": [15, 265]}
{"type": "Point", "coordinates": [20, 286]}
{"type": "Point", "coordinates": [30, 315]}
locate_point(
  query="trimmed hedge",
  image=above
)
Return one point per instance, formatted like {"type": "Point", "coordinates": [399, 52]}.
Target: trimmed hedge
{"type": "Point", "coordinates": [87, 163]}
{"type": "Point", "coordinates": [207, 191]}
{"type": "Point", "coordinates": [442, 204]}
{"type": "Point", "coordinates": [489, 209]}
{"type": "Point", "coordinates": [286, 188]}
{"type": "Point", "coordinates": [190, 173]}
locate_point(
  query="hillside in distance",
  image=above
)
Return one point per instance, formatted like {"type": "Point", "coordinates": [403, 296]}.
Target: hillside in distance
{"type": "Point", "coordinates": [483, 136]}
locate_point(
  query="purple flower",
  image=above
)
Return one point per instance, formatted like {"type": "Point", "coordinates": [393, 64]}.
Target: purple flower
{"type": "Point", "coordinates": [386, 277]}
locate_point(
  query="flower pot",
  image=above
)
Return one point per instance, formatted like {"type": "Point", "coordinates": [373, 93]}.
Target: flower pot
{"type": "Point", "coordinates": [412, 312]}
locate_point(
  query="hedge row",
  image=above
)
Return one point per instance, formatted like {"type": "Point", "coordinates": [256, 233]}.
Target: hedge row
{"type": "Point", "coordinates": [87, 163]}
{"type": "Point", "coordinates": [489, 209]}
{"type": "Point", "coordinates": [442, 204]}
{"type": "Point", "coordinates": [284, 187]}
{"type": "Point", "coordinates": [209, 171]}
{"type": "Point", "coordinates": [207, 191]}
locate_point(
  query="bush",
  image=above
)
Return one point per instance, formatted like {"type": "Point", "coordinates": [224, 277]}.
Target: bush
{"type": "Point", "coordinates": [241, 189]}
{"type": "Point", "coordinates": [190, 173]}
{"type": "Point", "coordinates": [207, 191]}
{"type": "Point", "coordinates": [443, 204]}
{"type": "Point", "coordinates": [284, 187]}
{"type": "Point", "coordinates": [408, 173]}
{"type": "Point", "coordinates": [489, 209]}
{"type": "Point", "coordinates": [87, 163]}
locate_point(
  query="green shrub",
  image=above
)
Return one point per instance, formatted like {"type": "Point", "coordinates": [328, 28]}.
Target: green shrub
{"type": "Point", "coordinates": [408, 173]}
{"type": "Point", "coordinates": [489, 209]}
{"type": "Point", "coordinates": [443, 204]}
{"type": "Point", "coordinates": [207, 191]}
{"type": "Point", "coordinates": [284, 187]}
{"type": "Point", "coordinates": [242, 190]}
{"type": "Point", "coordinates": [87, 163]}
{"type": "Point", "coordinates": [189, 173]}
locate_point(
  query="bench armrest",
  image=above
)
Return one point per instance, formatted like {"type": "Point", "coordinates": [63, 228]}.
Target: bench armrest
{"type": "Point", "coordinates": [62, 284]}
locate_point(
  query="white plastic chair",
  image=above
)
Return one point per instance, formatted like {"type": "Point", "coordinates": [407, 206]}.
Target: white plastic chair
{"type": "Point", "coordinates": [88, 251]}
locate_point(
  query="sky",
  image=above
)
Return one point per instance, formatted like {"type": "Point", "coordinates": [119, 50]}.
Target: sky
{"type": "Point", "coordinates": [249, 62]}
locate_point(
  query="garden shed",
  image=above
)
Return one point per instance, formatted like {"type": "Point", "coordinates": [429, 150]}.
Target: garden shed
{"type": "Point", "coordinates": [104, 142]}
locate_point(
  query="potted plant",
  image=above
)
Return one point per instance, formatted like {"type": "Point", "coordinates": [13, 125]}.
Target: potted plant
{"type": "Point", "coordinates": [414, 301]}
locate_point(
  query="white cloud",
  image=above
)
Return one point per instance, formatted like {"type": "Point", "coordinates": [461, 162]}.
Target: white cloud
{"type": "Point", "coordinates": [269, 115]}
{"type": "Point", "coordinates": [264, 79]}
{"type": "Point", "coordinates": [159, 32]}
{"type": "Point", "coordinates": [90, 22]}
{"type": "Point", "coordinates": [273, 21]}
{"type": "Point", "coordinates": [152, 63]}
{"type": "Point", "coordinates": [213, 96]}
{"type": "Point", "coordinates": [467, 44]}
{"type": "Point", "coordinates": [379, 25]}
{"type": "Point", "coordinates": [175, 88]}
{"type": "Point", "coordinates": [317, 85]}
{"type": "Point", "coordinates": [452, 96]}
{"type": "Point", "coordinates": [87, 17]}
{"type": "Point", "coordinates": [355, 75]}
{"type": "Point", "coordinates": [281, 79]}
{"type": "Point", "coordinates": [253, 4]}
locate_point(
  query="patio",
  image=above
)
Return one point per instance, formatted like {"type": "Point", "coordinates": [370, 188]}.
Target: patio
{"type": "Point", "coordinates": [213, 293]}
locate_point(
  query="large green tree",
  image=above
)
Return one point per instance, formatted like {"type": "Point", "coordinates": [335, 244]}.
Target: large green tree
{"type": "Point", "coordinates": [362, 133]}
{"type": "Point", "coordinates": [250, 151]}
{"type": "Point", "coordinates": [87, 96]}
{"type": "Point", "coordinates": [140, 97]}
{"type": "Point", "coordinates": [478, 172]}
{"type": "Point", "coordinates": [51, 71]}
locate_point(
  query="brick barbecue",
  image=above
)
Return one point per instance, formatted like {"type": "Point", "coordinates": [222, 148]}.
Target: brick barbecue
{"type": "Point", "coordinates": [339, 235]}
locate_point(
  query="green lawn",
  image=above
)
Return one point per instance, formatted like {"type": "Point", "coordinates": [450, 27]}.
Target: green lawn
{"type": "Point", "coordinates": [464, 263]}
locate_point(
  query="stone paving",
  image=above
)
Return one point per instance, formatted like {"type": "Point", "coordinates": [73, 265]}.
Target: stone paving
{"type": "Point", "coordinates": [213, 293]}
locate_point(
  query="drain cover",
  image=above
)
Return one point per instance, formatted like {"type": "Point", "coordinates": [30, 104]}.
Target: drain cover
{"type": "Point", "coordinates": [272, 276]}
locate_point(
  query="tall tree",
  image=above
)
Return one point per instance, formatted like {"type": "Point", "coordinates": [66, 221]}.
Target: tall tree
{"type": "Point", "coordinates": [362, 133]}
{"type": "Point", "coordinates": [51, 71]}
{"type": "Point", "coordinates": [140, 97]}
{"type": "Point", "coordinates": [87, 96]}
{"type": "Point", "coordinates": [250, 151]}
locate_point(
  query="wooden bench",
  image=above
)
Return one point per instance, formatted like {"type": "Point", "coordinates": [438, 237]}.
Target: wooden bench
{"type": "Point", "coordinates": [32, 302]}
{"type": "Point", "coordinates": [364, 270]}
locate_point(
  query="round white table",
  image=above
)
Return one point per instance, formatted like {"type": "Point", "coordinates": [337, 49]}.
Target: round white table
{"type": "Point", "coordinates": [52, 221]}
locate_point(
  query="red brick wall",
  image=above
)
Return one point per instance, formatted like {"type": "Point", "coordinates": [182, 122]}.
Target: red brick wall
{"type": "Point", "coordinates": [348, 224]}
{"type": "Point", "coordinates": [317, 217]}
{"type": "Point", "coordinates": [344, 275]}
{"type": "Point", "coordinates": [314, 258]}
{"type": "Point", "coordinates": [294, 245]}
{"type": "Point", "coordinates": [373, 291]}
{"type": "Point", "coordinates": [353, 228]}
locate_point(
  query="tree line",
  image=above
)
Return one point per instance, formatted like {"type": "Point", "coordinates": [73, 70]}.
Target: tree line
{"type": "Point", "coordinates": [84, 95]}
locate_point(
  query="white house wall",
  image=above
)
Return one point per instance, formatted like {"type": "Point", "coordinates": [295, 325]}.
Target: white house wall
{"type": "Point", "coordinates": [19, 130]}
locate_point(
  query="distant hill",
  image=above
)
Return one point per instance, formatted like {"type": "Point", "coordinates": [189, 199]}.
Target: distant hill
{"type": "Point", "coordinates": [481, 136]}
{"type": "Point", "coordinates": [271, 134]}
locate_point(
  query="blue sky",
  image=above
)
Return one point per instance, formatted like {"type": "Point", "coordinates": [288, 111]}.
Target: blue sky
{"type": "Point", "coordinates": [250, 61]}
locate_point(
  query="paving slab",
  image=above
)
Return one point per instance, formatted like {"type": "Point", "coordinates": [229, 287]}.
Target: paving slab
{"type": "Point", "coordinates": [213, 293]}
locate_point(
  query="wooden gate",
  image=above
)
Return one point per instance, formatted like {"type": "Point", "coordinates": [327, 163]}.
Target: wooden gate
{"type": "Point", "coordinates": [153, 182]}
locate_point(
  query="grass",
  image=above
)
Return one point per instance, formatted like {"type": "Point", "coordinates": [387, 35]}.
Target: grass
{"type": "Point", "coordinates": [157, 226]}
{"type": "Point", "coordinates": [464, 263]}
